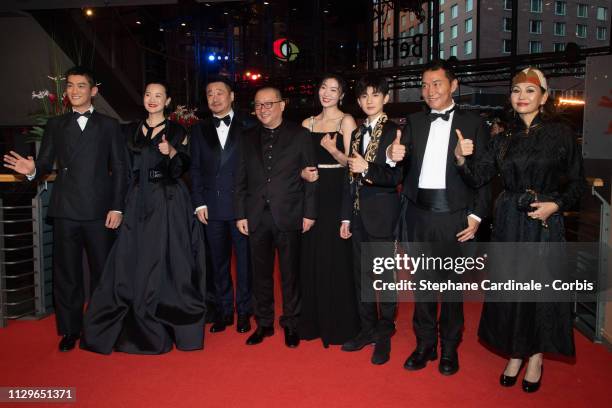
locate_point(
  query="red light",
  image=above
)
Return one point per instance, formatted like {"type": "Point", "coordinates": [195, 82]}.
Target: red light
{"type": "Point", "coordinates": [254, 77]}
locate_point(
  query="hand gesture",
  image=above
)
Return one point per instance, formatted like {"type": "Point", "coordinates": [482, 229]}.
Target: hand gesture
{"type": "Point", "coordinates": [329, 143]}
{"type": "Point", "coordinates": [19, 164]}
{"type": "Point", "coordinates": [357, 164]}
{"type": "Point", "coordinates": [310, 174]}
{"type": "Point", "coordinates": [465, 147]}
{"type": "Point", "coordinates": [396, 151]}
{"type": "Point", "coordinates": [166, 148]}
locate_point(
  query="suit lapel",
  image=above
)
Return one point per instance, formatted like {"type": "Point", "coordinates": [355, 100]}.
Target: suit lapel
{"type": "Point", "coordinates": [81, 138]}
{"type": "Point", "coordinates": [230, 143]}
{"type": "Point", "coordinates": [422, 128]}
{"type": "Point", "coordinates": [212, 140]}
{"type": "Point", "coordinates": [452, 142]}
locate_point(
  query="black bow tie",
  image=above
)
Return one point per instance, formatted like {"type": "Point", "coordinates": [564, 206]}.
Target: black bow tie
{"type": "Point", "coordinates": [226, 119]}
{"type": "Point", "coordinates": [444, 116]}
{"type": "Point", "coordinates": [78, 115]}
{"type": "Point", "coordinates": [366, 129]}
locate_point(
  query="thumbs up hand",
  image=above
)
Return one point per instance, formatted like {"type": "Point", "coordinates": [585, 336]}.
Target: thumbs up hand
{"type": "Point", "coordinates": [465, 147]}
{"type": "Point", "coordinates": [357, 164]}
{"type": "Point", "coordinates": [166, 148]}
{"type": "Point", "coordinates": [396, 151]}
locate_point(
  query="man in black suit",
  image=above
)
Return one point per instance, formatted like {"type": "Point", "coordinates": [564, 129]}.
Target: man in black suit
{"type": "Point", "coordinates": [87, 197]}
{"type": "Point", "coordinates": [369, 212]}
{"type": "Point", "coordinates": [214, 157]}
{"type": "Point", "coordinates": [272, 206]}
{"type": "Point", "coordinates": [438, 205]}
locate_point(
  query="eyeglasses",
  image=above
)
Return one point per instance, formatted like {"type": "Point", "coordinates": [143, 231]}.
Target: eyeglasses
{"type": "Point", "coordinates": [267, 105]}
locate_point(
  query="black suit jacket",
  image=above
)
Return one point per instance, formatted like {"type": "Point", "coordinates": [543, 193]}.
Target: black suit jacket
{"type": "Point", "coordinates": [379, 202]}
{"type": "Point", "coordinates": [92, 166]}
{"type": "Point", "coordinates": [460, 194]}
{"type": "Point", "coordinates": [290, 198]}
{"type": "Point", "coordinates": [213, 167]}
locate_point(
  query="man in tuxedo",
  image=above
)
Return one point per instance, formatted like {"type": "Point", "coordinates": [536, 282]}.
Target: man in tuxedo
{"type": "Point", "coordinates": [438, 206]}
{"type": "Point", "coordinates": [273, 205]}
{"type": "Point", "coordinates": [214, 156]}
{"type": "Point", "coordinates": [87, 198]}
{"type": "Point", "coordinates": [369, 211]}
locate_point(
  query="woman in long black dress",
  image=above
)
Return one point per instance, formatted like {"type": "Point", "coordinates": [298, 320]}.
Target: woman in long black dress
{"type": "Point", "coordinates": [536, 153]}
{"type": "Point", "coordinates": [150, 294]}
{"type": "Point", "coordinates": [329, 308]}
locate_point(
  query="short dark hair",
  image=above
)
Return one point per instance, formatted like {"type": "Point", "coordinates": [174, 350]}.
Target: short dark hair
{"type": "Point", "coordinates": [80, 70]}
{"type": "Point", "coordinates": [161, 82]}
{"type": "Point", "coordinates": [225, 80]}
{"type": "Point", "coordinates": [377, 83]}
{"type": "Point", "coordinates": [338, 78]}
{"type": "Point", "coordinates": [276, 90]}
{"type": "Point", "coordinates": [436, 65]}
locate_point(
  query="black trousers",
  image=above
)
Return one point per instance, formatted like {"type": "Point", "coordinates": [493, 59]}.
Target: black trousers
{"type": "Point", "coordinates": [70, 238]}
{"type": "Point", "coordinates": [264, 241]}
{"type": "Point", "coordinates": [436, 227]}
{"type": "Point", "coordinates": [377, 317]}
{"type": "Point", "coordinates": [221, 235]}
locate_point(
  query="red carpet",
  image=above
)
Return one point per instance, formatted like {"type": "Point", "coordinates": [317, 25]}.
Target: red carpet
{"type": "Point", "coordinates": [230, 374]}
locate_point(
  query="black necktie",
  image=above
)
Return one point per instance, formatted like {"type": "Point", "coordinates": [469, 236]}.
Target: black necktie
{"type": "Point", "coordinates": [78, 115]}
{"type": "Point", "coordinates": [366, 129]}
{"type": "Point", "coordinates": [226, 119]}
{"type": "Point", "coordinates": [444, 116]}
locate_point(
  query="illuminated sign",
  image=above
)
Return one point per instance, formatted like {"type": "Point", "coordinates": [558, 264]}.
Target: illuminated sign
{"type": "Point", "coordinates": [285, 50]}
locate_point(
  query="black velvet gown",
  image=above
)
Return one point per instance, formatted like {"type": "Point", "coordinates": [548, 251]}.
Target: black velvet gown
{"type": "Point", "coordinates": [541, 160]}
{"type": "Point", "coordinates": [151, 293]}
{"type": "Point", "coordinates": [329, 307]}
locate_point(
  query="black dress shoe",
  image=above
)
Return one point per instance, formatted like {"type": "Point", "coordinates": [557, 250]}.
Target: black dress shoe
{"type": "Point", "coordinates": [259, 334]}
{"type": "Point", "coordinates": [419, 358]}
{"type": "Point", "coordinates": [529, 386]}
{"type": "Point", "coordinates": [449, 362]}
{"type": "Point", "coordinates": [243, 324]}
{"type": "Point", "coordinates": [221, 324]}
{"type": "Point", "coordinates": [68, 342]}
{"type": "Point", "coordinates": [509, 381]}
{"type": "Point", "coordinates": [382, 350]}
{"type": "Point", "coordinates": [358, 342]}
{"type": "Point", "coordinates": [292, 339]}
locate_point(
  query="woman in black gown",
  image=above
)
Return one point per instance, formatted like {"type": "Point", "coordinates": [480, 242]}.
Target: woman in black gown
{"type": "Point", "coordinates": [329, 308]}
{"type": "Point", "coordinates": [150, 294]}
{"type": "Point", "coordinates": [536, 153]}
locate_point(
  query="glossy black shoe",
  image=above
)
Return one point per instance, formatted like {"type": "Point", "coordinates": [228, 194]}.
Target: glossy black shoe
{"type": "Point", "coordinates": [221, 324]}
{"type": "Point", "coordinates": [419, 358]}
{"type": "Point", "coordinates": [243, 324]}
{"type": "Point", "coordinates": [509, 381]}
{"type": "Point", "coordinates": [358, 342]}
{"type": "Point", "coordinates": [68, 342]}
{"type": "Point", "coordinates": [449, 362]}
{"type": "Point", "coordinates": [259, 334]}
{"type": "Point", "coordinates": [292, 339]}
{"type": "Point", "coordinates": [529, 386]}
{"type": "Point", "coordinates": [382, 351]}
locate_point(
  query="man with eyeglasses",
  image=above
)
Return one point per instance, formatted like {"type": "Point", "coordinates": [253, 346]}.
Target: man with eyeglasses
{"type": "Point", "coordinates": [273, 206]}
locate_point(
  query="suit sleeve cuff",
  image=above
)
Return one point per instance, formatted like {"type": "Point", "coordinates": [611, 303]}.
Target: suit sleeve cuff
{"type": "Point", "coordinates": [474, 216]}
{"type": "Point", "coordinates": [199, 208]}
{"type": "Point", "coordinates": [32, 176]}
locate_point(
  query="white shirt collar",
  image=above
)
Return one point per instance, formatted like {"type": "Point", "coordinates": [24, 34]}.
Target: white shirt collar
{"type": "Point", "coordinates": [374, 122]}
{"type": "Point", "coordinates": [444, 110]}
{"type": "Point", "coordinates": [230, 113]}
{"type": "Point", "coordinates": [90, 109]}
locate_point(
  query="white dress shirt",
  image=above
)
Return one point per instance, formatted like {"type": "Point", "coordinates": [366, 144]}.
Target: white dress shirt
{"type": "Point", "coordinates": [433, 169]}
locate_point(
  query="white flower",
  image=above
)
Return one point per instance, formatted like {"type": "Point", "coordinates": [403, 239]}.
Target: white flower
{"type": "Point", "coordinates": [40, 94]}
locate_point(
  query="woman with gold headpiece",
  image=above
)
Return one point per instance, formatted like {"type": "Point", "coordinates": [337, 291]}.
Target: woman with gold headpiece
{"type": "Point", "coordinates": [533, 156]}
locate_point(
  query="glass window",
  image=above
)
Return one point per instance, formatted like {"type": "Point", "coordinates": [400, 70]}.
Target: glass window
{"type": "Point", "coordinates": [583, 10]}
{"type": "Point", "coordinates": [507, 46]}
{"type": "Point", "coordinates": [535, 26]}
{"type": "Point", "coordinates": [581, 30]}
{"type": "Point", "coordinates": [468, 25]}
{"type": "Point", "coordinates": [453, 50]}
{"type": "Point", "coordinates": [507, 24]}
{"type": "Point", "coordinates": [441, 17]}
{"type": "Point", "coordinates": [441, 37]}
{"type": "Point", "coordinates": [507, 4]}
{"type": "Point", "coordinates": [602, 13]}
{"type": "Point", "coordinates": [535, 47]}
{"type": "Point", "coordinates": [559, 28]}
{"type": "Point", "coordinates": [411, 31]}
{"type": "Point", "coordinates": [441, 2]}
{"type": "Point", "coordinates": [454, 11]}
{"type": "Point", "coordinates": [560, 8]}
{"type": "Point", "coordinates": [441, 54]}
{"type": "Point", "coordinates": [536, 6]}
{"type": "Point", "coordinates": [558, 47]}
{"type": "Point", "coordinates": [469, 5]}
{"type": "Point", "coordinates": [454, 31]}
{"type": "Point", "coordinates": [602, 33]}
{"type": "Point", "coordinates": [403, 24]}
{"type": "Point", "coordinates": [467, 47]}
{"type": "Point", "coordinates": [421, 28]}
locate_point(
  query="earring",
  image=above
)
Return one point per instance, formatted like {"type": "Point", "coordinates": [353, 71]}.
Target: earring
{"type": "Point", "coordinates": [541, 108]}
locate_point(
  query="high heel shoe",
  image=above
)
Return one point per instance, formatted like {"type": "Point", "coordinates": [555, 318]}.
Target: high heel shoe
{"type": "Point", "coordinates": [529, 386]}
{"type": "Point", "coordinates": [509, 381]}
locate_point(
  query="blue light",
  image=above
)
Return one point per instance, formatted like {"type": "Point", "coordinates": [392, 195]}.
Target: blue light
{"type": "Point", "coordinates": [211, 57]}
{"type": "Point", "coordinates": [226, 57]}
{"type": "Point", "coordinates": [219, 57]}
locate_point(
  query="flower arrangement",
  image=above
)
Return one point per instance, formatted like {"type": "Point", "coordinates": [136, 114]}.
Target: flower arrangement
{"type": "Point", "coordinates": [51, 105]}
{"type": "Point", "coordinates": [184, 115]}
